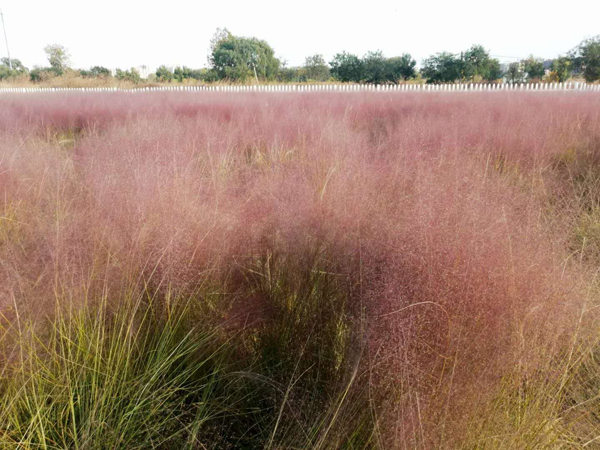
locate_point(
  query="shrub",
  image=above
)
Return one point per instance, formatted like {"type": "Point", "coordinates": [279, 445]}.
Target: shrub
{"type": "Point", "coordinates": [96, 72]}
{"type": "Point", "coordinates": [41, 74]}
{"type": "Point", "coordinates": [128, 75]}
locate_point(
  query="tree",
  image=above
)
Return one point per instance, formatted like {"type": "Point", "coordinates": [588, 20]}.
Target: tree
{"type": "Point", "coordinates": [475, 61]}
{"type": "Point", "coordinates": [493, 71]}
{"type": "Point", "coordinates": [221, 34]}
{"type": "Point", "coordinates": [5, 72]}
{"type": "Point", "coordinates": [128, 75]}
{"type": "Point", "coordinates": [5, 68]}
{"type": "Point", "coordinates": [443, 67]}
{"type": "Point", "coordinates": [288, 74]}
{"type": "Point", "coordinates": [163, 73]}
{"type": "Point", "coordinates": [534, 68]}
{"type": "Point", "coordinates": [561, 69]}
{"type": "Point", "coordinates": [181, 73]}
{"type": "Point", "coordinates": [586, 58]}
{"type": "Point", "coordinates": [16, 64]}
{"type": "Point", "coordinates": [400, 68]}
{"type": "Point", "coordinates": [514, 74]}
{"type": "Point", "coordinates": [58, 57]}
{"type": "Point", "coordinates": [347, 67]}
{"type": "Point", "coordinates": [184, 73]}
{"type": "Point", "coordinates": [238, 58]}
{"type": "Point", "coordinates": [210, 76]}
{"type": "Point", "coordinates": [374, 67]}
{"type": "Point", "coordinates": [316, 68]}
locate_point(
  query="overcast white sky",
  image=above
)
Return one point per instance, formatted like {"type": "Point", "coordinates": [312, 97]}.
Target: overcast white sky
{"type": "Point", "coordinates": [126, 33]}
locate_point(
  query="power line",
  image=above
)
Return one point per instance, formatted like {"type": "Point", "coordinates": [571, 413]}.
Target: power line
{"type": "Point", "coordinates": [6, 40]}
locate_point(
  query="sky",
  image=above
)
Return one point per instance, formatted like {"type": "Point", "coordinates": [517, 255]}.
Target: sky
{"type": "Point", "coordinates": [131, 33]}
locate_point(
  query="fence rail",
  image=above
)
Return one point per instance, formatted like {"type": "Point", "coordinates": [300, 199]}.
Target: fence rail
{"type": "Point", "coordinates": [469, 87]}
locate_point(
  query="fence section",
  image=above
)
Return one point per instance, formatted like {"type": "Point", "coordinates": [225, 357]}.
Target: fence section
{"type": "Point", "coordinates": [470, 87]}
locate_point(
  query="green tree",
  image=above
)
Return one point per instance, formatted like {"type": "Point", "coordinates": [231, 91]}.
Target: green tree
{"type": "Point", "coordinates": [586, 58]}
{"type": "Point", "coordinates": [17, 65]}
{"type": "Point", "coordinates": [316, 68]}
{"type": "Point", "coordinates": [534, 68]}
{"type": "Point", "coordinates": [238, 58]}
{"type": "Point", "coordinates": [221, 34]}
{"type": "Point", "coordinates": [5, 72]}
{"type": "Point", "coordinates": [442, 67]}
{"type": "Point", "coordinates": [185, 73]}
{"type": "Point", "coordinates": [374, 67]}
{"type": "Point", "coordinates": [210, 76]}
{"type": "Point", "coordinates": [163, 73]}
{"type": "Point", "coordinates": [475, 61]}
{"type": "Point", "coordinates": [515, 74]}
{"type": "Point", "coordinates": [180, 73]}
{"type": "Point", "coordinates": [58, 57]}
{"type": "Point", "coordinates": [18, 68]}
{"type": "Point", "coordinates": [493, 71]}
{"type": "Point", "coordinates": [347, 67]}
{"type": "Point", "coordinates": [128, 75]}
{"type": "Point", "coordinates": [561, 68]}
{"type": "Point", "coordinates": [288, 74]}
{"type": "Point", "coordinates": [400, 68]}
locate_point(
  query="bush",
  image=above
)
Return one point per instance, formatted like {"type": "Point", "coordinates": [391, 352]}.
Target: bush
{"type": "Point", "coordinates": [39, 74]}
{"type": "Point", "coordinates": [128, 75]}
{"type": "Point", "coordinates": [289, 74]}
{"type": "Point", "coordinates": [96, 72]}
{"type": "Point", "coordinates": [185, 73]}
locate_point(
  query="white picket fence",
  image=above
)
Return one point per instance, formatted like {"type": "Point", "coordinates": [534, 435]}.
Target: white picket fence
{"type": "Point", "coordinates": [470, 87]}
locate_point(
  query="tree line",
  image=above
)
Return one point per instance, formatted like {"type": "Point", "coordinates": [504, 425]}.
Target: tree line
{"type": "Point", "coordinates": [241, 59]}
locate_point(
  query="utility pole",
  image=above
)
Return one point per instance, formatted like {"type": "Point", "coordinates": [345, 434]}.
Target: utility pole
{"type": "Point", "coordinates": [6, 40]}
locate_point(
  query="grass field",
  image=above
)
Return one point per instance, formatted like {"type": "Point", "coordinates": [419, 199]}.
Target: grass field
{"type": "Point", "coordinates": [409, 271]}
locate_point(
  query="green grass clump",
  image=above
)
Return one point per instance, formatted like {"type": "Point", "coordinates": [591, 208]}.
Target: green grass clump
{"type": "Point", "coordinates": [145, 371]}
{"type": "Point", "coordinates": [111, 379]}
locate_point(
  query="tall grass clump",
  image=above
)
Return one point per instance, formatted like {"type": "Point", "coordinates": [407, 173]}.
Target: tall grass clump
{"type": "Point", "coordinates": [119, 379]}
{"type": "Point", "coordinates": [298, 271]}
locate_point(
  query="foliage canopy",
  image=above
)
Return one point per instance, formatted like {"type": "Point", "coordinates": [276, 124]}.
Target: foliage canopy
{"type": "Point", "coordinates": [239, 58]}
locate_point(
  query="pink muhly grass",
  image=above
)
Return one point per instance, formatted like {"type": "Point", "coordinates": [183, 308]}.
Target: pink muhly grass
{"type": "Point", "coordinates": [414, 204]}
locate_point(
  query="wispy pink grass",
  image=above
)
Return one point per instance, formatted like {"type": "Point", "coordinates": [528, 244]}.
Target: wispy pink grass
{"type": "Point", "coordinates": [421, 202]}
